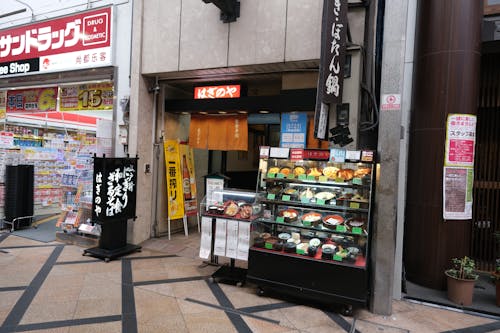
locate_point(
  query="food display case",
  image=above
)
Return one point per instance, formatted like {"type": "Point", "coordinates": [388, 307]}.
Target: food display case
{"type": "Point", "coordinates": [230, 213]}
{"type": "Point", "coordinates": [313, 239]}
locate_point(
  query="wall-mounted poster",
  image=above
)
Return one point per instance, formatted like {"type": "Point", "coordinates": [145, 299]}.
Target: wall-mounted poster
{"type": "Point", "coordinates": [293, 130]}
{"type": "Point", "coordinates": [32, 100]}
{"type": "Point", "coordinates": [457, 193]}
{"type": "Point", "coordinates": [114, 189]}
{"type": "Point", "coordinates": [460, 140]}
{"type": "Point", "coordinates": [88, 96]}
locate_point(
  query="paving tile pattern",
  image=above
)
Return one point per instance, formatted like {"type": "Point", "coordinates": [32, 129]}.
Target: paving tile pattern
{"type": "Point", "coordinates": [167, 288]}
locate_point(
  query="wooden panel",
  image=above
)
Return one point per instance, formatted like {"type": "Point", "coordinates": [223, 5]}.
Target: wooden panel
{"type": "Point", "coordinates": [486, 212]}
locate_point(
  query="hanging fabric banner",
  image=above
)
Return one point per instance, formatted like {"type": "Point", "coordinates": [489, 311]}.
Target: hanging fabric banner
{"type": "Point", "coordinates": [174, 180]}
{"type": "Point", "coordinates": [228, 132]}
{"type": "Point", "coordinates": [188, 180]}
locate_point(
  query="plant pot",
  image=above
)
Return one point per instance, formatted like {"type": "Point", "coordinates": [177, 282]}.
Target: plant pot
{"type": "Point", "coordinates": [460, 291]}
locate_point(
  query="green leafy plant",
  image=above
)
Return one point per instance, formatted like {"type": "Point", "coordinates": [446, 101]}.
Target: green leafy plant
{"type": "Point", "coordinates": [463, 268]}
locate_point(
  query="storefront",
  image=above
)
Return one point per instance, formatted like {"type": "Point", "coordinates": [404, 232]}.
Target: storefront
{"type": "Point", "coordinates": [59, 96]}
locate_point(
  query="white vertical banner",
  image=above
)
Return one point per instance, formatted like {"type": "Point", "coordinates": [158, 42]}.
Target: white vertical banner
{"type": "Point", "coordinates": [243, 241]}
{"type": "Point", "coordinates": [220, 237]}
{"type": "Point", "coordinates": [232, 239]}
{"type": "Point", "coordinates": [206, 237]}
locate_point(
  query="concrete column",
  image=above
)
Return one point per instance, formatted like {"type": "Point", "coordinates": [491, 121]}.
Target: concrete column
{"type": "Point", "coordinates": [142, 119]}
{"type": "Point", "coordinates": [395, 76]}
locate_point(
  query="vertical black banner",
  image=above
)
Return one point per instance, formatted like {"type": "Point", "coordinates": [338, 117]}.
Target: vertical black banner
{"type": "Point", "coordinates": [332, 62]}
{"type": "Point", "coordinates": [114, 189]}
{"type": "Point", "coordinates": [333, 49]}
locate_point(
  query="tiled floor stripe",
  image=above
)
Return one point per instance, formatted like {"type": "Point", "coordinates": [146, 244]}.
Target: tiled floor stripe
{"type": "Point", "coordinates": [91, 261]}
{"type": "Point", "coordinates": [3, 236]}
{"type": "Point", "coordinates": [13, 288]}
{"type": "Point", "coordinates": [477, 329]}
{"type": "Point", "coordinates": [339, 320]}
{"type": "Point", "coordinates": [233, 310]}
{"type": "Point", "coordinates": [266, 307]}
{"type": "Point", "coordinates": [29, 246]}
{"type": "Point", "coordinates": [19, 309]}
{"type": "Point", "coordinates": [152, 257]}
{"type": "Point", "coordinates": [185, 279]}
{"type": "Point", "coordinates": [66, 323]}
{"type": "Point", "coordinates": [235, 318]}
{"type": "Point", "coordinates": [129, 317]}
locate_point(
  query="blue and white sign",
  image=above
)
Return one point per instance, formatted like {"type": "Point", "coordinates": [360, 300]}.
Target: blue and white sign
{"type": "Point", "coordinates": [293, 130]}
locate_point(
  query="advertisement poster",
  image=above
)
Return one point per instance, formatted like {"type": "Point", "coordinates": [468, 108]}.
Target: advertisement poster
{"type": "Point", "coordinates": [457, 193]}
{"type": "Point", "coordinates": [175, 197]}
{"type": "Point", "coordinates": [460, 140]}
{"type": "Point", "coordinates": [32, 100]}
{"type": "Point", "coordinates": [3, 104]}
{"type": "Point", "coordinates": [90, 96]}
{"type": "Point", "coordinates": [82, 40]}
{"type": "Point", "coordinates": [293, 130]}
{"type": "Point", "coordinates": [188, 180]}
{"type": "Point", "coordinates": [214, 186]}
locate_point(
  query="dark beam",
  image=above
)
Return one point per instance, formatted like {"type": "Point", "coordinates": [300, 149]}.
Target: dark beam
{"type": "Point", "coordinates": [287, 101]}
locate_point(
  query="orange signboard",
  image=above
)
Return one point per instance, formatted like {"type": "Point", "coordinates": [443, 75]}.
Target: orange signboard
{"type": "Point", "coordinates": [227, 91]}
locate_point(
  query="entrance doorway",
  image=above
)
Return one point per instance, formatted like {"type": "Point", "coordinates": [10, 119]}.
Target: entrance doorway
{"type": "Point", "coordinates": [485, 245]}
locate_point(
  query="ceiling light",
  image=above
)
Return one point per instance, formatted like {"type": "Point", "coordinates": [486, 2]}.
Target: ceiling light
{"type": "Point", "coordinates": [264, 111]}
{"type": "Point", "coordinates": [242, 112]}
{"type": "Point", "coordinates": [203, 112]}
{"type": "Point", "coordinates": [221, 112]}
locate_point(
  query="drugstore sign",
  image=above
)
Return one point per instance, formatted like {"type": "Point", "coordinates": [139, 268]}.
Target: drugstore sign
{"type": "Point", "coordinates": [71, 42]}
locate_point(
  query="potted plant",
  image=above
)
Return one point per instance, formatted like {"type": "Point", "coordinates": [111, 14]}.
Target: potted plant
{"type": "Point", "coordinates": [461, 280]}
{"type": "Point", "coordinates": [495, 277]}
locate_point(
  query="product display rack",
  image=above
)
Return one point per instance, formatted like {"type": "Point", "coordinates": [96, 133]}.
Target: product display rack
{"type": "Point", "coordinates": [313, 239]}
{"type": "Point", "coordinates": [235, 205]}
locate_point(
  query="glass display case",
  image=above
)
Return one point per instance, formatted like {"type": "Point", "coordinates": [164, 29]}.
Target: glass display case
{"type": "Point", "coordinates": [231, 203]}
{"type": "Point", "coordinates": [312, 239]}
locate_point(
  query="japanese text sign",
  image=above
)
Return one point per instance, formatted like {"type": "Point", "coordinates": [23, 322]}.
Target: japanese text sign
{"type": "Point", "coordinates": [3, 104]}
{"type": "Point", "coordinates": [90, 96]}
{"type": "Point", "coordinates": [293, 130]}
{"type": "Point", "coordinates": [32, 100]}
{"type": "Point", "coordinates": [333, 49]}
{"type": "Point", "coordinates": [175, 197]}
{"type": "Point", "coordinates": [114, 189]}
{"type": "Point", "coordinates": [227, 91]}
{"type": "Point", "coordinates": [460, 140]}
{"type": "Point", "coordinates": [69, 42]}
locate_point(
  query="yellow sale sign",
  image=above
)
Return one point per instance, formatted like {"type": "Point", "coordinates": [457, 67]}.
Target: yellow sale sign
{"type": "Point", "coordinates": [174, 180]}
{"type": "Point", "coordinates": [89, 96]}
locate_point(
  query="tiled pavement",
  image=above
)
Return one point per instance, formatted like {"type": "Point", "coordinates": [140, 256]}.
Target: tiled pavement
{"type": "Point", "coordinates": [166, 288]}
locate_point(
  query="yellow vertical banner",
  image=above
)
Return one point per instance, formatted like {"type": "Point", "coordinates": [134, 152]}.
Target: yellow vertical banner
{"type": "Point", "coordinates": [188, 180]}
{"type": "Point", "coordinates": [174, 180]}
